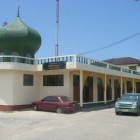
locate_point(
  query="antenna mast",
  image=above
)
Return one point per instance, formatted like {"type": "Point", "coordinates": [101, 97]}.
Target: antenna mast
{"type": "Point", "coordinates": [57, 28]}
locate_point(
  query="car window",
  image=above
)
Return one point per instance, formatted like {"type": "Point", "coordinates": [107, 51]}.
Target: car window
{"type": "Point", "coordinates": [48, 99]}
{"type": "Point", "coordinates": [130, 97]}
{"type": "Point", "coordinates": [55, 99]}
{"type": "Point", "coordinates": [65, 98]}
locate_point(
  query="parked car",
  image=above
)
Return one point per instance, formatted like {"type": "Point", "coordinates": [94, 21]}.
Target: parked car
{"type": "Point", "coordinates": [56, 103]}
{"type": "Point", "coordinates": [129, 102]}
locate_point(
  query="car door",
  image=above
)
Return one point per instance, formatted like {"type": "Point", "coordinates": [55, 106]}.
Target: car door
{"type": "Point", "coordinates": [50, 103]}
{"type": "Point", "coordinates": [54, 103]}
{"type": "Point", "coordinates": [46, 103]}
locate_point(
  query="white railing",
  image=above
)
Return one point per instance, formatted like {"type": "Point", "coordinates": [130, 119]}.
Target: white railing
{"type": "Point", "coordinates": [66, 58]}
{"type": "Point", "coordinates": [17, 59]}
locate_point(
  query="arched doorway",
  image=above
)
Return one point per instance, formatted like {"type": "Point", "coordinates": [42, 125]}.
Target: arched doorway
{"type": "Point", "coordinates": [88, 90]}
{"type": "Point", "coordinates": [138, 87]}
{"type": "Point", "coordinates": [117, 89]}
{"type": "Point", "coordinates": [76, 88]}
{"type": "Point", "coordinates": [129, 86]}
{"type": "Point", "coordinates": [109, 90]}
{"type": "Point", "coordinates": [100, 90]}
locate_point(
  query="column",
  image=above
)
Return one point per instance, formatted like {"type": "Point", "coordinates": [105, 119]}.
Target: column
{"type": "Point", "coordinates": [121, 86]}
{"type": "Point", "coordinates": [112, 86]}
{"type": "Point", "coordinates": [105, 90]}
{"type": "Point", "coordinates": [95, 89]}
{"type": "Point", "coordinates": [133, 86]}
{"type": "Point", "coordinates": [81, 88]}
{"type": "Point", "coordinates": [125, 86]}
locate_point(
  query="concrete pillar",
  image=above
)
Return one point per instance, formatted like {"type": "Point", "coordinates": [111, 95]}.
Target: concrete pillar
{"type": "Point", "coordinates": [125, 86]}
{"type": "Point", "coordinates": [105, 90]}
{"type": "Point", "coordinates": [81, 88]}
{"type": "Point", "coordinates": [121, 86]}
{"type": "Point", "coordinates": [112, 86]}
{"type": "Point", "coordinates": [133, 86]}
{"type": "Point", "coordinates": [95, 89]}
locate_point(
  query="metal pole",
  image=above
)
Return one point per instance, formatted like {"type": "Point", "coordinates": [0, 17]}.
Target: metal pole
{"type": "Point", "coordinates": [57, 28]}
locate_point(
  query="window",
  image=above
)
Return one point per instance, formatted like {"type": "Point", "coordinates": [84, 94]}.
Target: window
{"type": "Point", "coordinates": [76, 80]}
{"type": "Point", "coordinates": [53, 80]}
{"type": "Point", "coordinates": [133, 67]}
{"type": "Point", "coordinates": [28, 80]}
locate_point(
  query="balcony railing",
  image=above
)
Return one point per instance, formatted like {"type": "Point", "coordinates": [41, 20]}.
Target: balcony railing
{"type": "Point", "coordinates": [67, 58]}
{"type": "Point", "coordinates": [85, 60]}
{"type": "Point", "coordinates": [17, 59]}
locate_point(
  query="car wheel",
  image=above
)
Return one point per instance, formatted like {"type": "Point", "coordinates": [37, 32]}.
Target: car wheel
{"type": "Point", "coordinates": [35, 107]}
{"type": "Point", "coordinates": [138, 111]}
{"type": "Point", "coordinates": [59, 110]}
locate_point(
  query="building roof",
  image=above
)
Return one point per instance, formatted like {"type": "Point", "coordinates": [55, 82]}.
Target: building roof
{"type": "Point", "coordinates": [123, 61]}
{"type": "Point", "coordinates": [18, 38]}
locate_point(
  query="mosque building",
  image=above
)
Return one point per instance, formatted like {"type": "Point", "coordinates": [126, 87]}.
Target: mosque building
{"type": "Point", "coordinates": [24, 79]}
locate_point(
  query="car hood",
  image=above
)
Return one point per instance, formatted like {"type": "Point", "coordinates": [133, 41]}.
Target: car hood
{"type": "Point", "coordinates": [126, 101]}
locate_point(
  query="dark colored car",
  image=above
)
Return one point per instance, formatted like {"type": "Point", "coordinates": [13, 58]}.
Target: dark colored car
{"type": "Point", "coordinates": [56, 103]}
{"type": "Point", "coordinates": [129, 102]}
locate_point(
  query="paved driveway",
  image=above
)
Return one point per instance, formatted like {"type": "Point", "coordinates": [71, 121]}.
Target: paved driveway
{"type": "Point", "coordinates": [85, 125]}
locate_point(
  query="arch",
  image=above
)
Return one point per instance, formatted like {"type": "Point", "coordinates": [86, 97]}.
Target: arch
{"type": "Point", "coordinates": [88, 90]}
{"type": "Point", "coordinates": [129, 86]}
{"type": "Point", "coordinates": [138, 87]}
{"type": "Point", "coordinates": [109, 90]}
{"type": "Point", "coordinates": [117, 90]}
{"type": "Point", "coordinates": [100, 90]}
{"type": "Point", "coordinates": [76, 87]}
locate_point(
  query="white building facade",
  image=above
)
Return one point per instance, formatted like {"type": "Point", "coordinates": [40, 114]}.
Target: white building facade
{"type": "Point", "coordinates": [24, 79]}
{"type": "Point", "coordinates": [90, 82]}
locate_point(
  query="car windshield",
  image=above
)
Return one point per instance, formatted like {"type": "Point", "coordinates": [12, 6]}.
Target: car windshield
{"type": "Point", "coordinates": [129, 97]}
{"type": "Point", "coordinates": [65, 98]}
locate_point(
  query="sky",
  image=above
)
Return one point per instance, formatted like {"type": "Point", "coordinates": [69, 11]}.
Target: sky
{"type": "Point", "coordinates": [85, 26]}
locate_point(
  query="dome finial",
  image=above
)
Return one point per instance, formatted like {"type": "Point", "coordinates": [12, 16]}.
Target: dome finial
{"type": "Point", "coordinates": [18, 15]}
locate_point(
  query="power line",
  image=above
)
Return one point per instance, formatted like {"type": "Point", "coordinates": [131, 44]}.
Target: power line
{"type": "Point", "coordinates": [113, 44]}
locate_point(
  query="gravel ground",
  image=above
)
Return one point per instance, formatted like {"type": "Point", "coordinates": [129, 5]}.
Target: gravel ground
{"type": "Point", "coordinates": [84, 125]}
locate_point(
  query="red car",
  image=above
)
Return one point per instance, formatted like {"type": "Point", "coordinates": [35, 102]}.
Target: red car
{"type": "Point", "coordinates": [56, 103]}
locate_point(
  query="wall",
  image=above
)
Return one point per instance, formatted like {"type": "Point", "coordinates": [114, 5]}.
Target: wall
{"type": "Point", "coordinates": [55, 90]}
{"type": "Point", "coordinates": [12, 91]}
{"type": "Point", "coordinates": [6, 87]}
{"type": "Point", "coordinates": [24, 94]}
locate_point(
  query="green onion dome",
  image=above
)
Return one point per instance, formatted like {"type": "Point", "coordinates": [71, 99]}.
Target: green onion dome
{"type": "Point", "coordinates": [19, 39]}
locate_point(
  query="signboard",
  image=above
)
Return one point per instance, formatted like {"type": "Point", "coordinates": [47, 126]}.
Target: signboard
{"type": "Point", "coordinates": [54, 65]}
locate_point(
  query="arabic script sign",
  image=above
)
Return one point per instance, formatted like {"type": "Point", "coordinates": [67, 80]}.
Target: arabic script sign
{"type": "Point", "coordinates": [54, 65]}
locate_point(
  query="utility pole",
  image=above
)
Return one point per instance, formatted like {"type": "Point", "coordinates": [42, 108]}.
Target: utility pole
{"type": "Point", "coordinates": [57, 29]}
